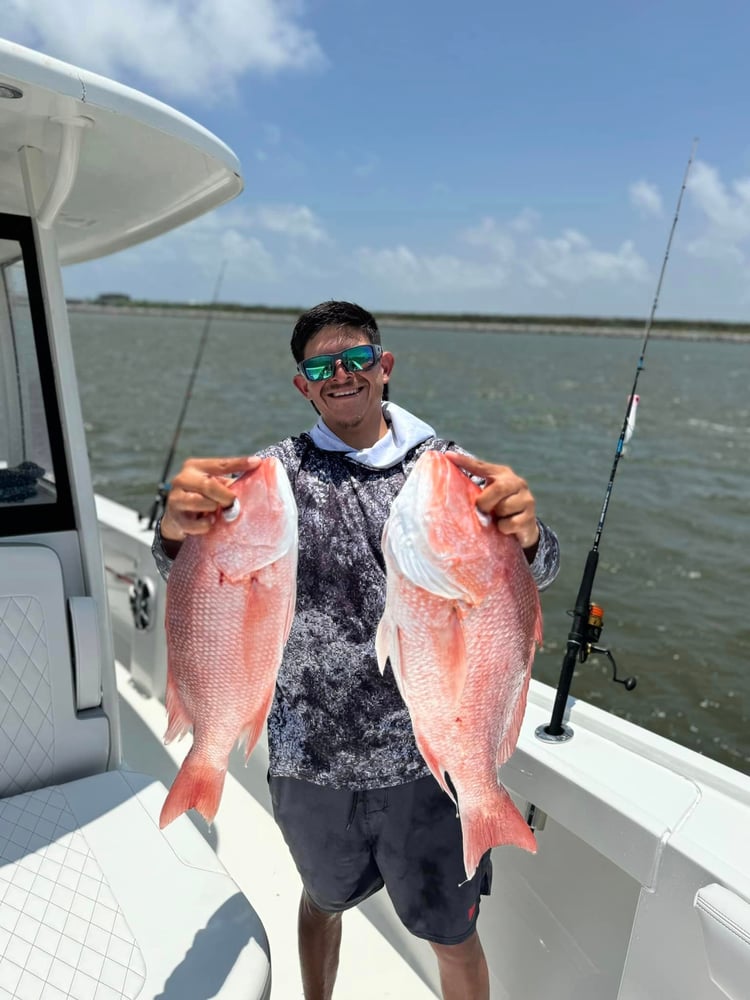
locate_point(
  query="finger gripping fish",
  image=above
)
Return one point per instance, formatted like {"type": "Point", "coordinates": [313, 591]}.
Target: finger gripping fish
{"type": "Point", "coordinates": [230, 602]}
{"type": "Point", "coordinates": [461, 624]}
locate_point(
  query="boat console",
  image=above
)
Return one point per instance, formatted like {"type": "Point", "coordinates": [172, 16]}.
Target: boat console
{"type": "Point", "coordinates": [95, 900]}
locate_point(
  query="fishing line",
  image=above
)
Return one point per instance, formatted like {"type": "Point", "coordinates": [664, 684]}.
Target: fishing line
{"type": "Point", "coordinates": [588, 618]}
{"type": "Point", "coordinates": [163, 488]}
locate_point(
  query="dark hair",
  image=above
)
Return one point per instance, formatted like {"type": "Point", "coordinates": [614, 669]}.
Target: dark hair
{"type": "Point", "coordinates": [332, 313]}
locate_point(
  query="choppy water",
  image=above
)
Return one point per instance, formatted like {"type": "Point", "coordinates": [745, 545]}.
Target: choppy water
{"type": "Point", "coordinates": [675, 553]}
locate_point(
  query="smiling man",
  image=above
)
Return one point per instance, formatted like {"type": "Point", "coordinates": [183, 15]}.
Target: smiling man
{"type": "Point", "coordinates": [353, 797]}
{"type": "Point", "coordinates": [341, 379]}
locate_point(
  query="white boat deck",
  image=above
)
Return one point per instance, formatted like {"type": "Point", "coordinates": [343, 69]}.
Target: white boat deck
{"type": "Point", "coordinates": [252, 849]}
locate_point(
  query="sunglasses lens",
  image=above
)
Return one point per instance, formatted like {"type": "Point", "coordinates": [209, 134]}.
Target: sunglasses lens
{"type": "Point", "coordinates": [358, 359]}
{"type": "Point", "coordinates": [317, 369]}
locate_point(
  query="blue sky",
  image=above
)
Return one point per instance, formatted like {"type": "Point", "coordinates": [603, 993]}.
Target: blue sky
{"type": "Point", "coordinates": [437, 156]}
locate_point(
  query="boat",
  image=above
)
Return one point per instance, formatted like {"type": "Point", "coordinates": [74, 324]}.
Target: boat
{"type": "Point", "coordinates": [640, 887]}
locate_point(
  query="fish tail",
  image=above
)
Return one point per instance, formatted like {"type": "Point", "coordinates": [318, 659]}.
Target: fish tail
{"type": "Point", "coordinates": [483, 829]}
{"type": "Point", "coordinates": [198, 785]}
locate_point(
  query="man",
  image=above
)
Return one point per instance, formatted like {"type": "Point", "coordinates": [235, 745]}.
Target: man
{"type": "Point", "coordinates": [351, 793]}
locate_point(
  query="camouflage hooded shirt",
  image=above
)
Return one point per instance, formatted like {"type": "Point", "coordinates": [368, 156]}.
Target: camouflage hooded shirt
{"type": "Point", "coordinates": [335, 719]}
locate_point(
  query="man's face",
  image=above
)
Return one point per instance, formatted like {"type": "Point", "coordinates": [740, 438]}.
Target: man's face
{"type": "Point", "coordinates": [347, 401]}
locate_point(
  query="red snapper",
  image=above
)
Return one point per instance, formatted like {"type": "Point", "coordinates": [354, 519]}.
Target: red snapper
{"type": "Point", "coordinates": [461, 623]}
{"type": "Point", "coordinates": [230, 602]}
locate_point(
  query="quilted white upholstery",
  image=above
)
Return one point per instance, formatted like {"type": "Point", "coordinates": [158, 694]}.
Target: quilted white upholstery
{"type": "Point", "coordinates": [26, 725]}
{"type": "Point", "coordinates": [42, 738]}
{"type": "Point", "coordinates": [96, 903]}
{"type": "Point", "coordinates": [61, 928]}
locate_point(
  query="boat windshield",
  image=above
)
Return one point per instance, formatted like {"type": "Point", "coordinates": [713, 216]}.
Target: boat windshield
{"type": "Point", "coordinates": [30, 443]}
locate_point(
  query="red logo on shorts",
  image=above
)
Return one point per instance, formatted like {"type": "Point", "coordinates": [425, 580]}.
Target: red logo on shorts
{"type": "Point", "coordinates": [472, 911]}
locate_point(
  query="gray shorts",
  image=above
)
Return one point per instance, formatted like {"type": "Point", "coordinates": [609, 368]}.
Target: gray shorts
{"type": "Point", "coordinates": [347, 845]}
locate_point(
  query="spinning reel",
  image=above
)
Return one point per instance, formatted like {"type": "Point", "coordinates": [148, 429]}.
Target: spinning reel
{"type": "Point", "coordinates": [592, 632]}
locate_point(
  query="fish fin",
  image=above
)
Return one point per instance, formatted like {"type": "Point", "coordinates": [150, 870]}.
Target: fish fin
{"type": "Point", "coordinates": [436, 768]}
{"type": "Point", "coordinates": [447, 652]}
{"type": "Point", "coordinates": [388, 647]}
{"type": "Point", "coordinates": [383, 643]}
{"type": "Point", "coordinates": [253, 730]}
{"type": "Point", "coordinates": [410, 550]}
{"type": "Point", "coordinates": [483, 829]}
{"type": "Point", "coordinates": [291, 604]}
{"type": "Point", "coordinates": [454, 658]}
{"type": "Point", "coordinates": [179, 722]}
{"type": "Point", "coordinates": [510, 737]}
{"type": "Point", "coordinates": [538, 624]}
{"type": "Point", "coordinates": [197, 786]}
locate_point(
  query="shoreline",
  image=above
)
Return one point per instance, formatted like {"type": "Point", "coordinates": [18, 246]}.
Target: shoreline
{"type": "Point", "coordinates": [554, 327]}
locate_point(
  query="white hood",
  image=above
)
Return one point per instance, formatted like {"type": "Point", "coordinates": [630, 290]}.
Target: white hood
{"type": "Point", "coordinates": [404, 432]}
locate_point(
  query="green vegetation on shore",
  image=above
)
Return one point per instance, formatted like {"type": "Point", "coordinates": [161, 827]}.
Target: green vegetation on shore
{"type": "Point", "coordinates": [580, 323]}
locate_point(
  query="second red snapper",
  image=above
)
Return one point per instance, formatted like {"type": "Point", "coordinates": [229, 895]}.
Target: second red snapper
{"type": "Point", "coordinates": [230, 601]}
{"type": "Point", "coordinates": [461, 623]}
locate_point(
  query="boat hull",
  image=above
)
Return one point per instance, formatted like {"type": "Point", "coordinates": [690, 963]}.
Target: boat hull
{"type": "Point", "coordinates": [630, 827]}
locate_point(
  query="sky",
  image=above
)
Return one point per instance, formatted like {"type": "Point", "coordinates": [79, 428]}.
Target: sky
{"type": "Point", "coordinates": [435, 156]}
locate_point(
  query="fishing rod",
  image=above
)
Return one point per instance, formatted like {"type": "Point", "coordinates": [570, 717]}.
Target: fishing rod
{"type": "Point", "coordinates": [588, 618]}
{"type": "Point", "coordinates": [163, 488]}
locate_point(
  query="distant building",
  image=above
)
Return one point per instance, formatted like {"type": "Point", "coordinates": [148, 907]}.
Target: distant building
{"type": "Point", "coordinates": [112, 299]}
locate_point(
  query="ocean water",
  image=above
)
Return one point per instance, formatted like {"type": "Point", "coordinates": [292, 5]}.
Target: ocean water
{"type": "Point", "coordinates": [674, 563]}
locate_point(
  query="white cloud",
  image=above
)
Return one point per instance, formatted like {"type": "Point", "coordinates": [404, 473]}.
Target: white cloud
{"type": "Point", "coordinates": [572, 259]}
{"type": "Point", "coordinates": [525, 221]}
{"type": "Point", "coordinates": [540, 261]}
{"type": "Point", "coordinates": [188, 48]}
{"type": "Point", "coordinates": [726, 212]}
{"type": "Point", "coordinates": [501, 238]}
{"type": "Point", "coordinates": [492, 236]}
{"type": "Point", "coordinates": [402, 268]}
{"type": "Point", "coordinates": [245, 253]}
{"type": "Point", "coordinates": [216, 237]}
{"type": "Point", "coordinates": [295, 221]}
{"type": "Point", "coordinates": [508, 254]}
{"type": "Point", "coordinates": [646, 198]}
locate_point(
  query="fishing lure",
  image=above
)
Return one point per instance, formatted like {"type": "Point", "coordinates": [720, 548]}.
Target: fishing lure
{"type": "Point", "coordinates": [633, 402]}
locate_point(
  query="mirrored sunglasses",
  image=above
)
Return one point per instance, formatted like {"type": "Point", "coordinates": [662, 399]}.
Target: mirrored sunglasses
{"type": "Point", "coordinates": [353, 359]}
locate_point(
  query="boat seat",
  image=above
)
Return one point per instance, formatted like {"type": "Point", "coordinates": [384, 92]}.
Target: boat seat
{"type": "Point", "coordinates": [96, 902]}
{"type": "Point", "coordinates": [44, 737]}
{"type": "Point", "coordinates": [725, 922]}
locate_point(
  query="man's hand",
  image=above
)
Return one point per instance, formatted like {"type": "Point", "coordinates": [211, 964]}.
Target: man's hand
{"type": "Point", "coordinates": [506, 497]}
{"type": "Point", "coordinates": [198, 491]}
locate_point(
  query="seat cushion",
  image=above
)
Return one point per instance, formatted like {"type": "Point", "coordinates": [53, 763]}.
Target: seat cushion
{"type": "Point", "coordinates": [97, 902]}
